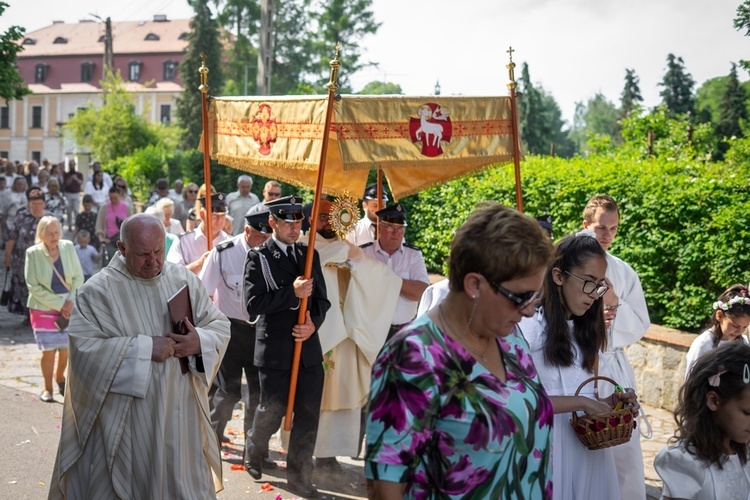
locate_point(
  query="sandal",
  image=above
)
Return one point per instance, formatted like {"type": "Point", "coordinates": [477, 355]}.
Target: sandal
{"type": "Point", "coordinates": [47, 397]}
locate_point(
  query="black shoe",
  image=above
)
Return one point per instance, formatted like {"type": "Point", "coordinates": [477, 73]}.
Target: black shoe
{"type": "Point", "coordinates": [61, 386]}
{"type": "Point", "coordinates": [302, 487]}
{"type": "Point", "coordinates": [255, 470]}
{"type": "Point", "coordinates": [269, 464]}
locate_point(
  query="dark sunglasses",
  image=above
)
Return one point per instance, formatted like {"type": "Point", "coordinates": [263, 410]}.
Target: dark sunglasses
{"type": "Point", "coordinates": [521, 300]}
{"type": "Point", "coordinates": [192, 191]}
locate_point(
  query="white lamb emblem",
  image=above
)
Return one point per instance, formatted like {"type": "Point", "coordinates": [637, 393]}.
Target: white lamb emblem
{"type": "Point", "coordinates": [430, 129]}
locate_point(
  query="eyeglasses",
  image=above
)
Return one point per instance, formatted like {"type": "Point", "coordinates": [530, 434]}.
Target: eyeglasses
{"type": "Point", "coordinates": [392, 228]}
{"type": "Point", "coordinates": [192, 191]}
{"type": "Point", "coordinates": [324, 216]}
{"type": "Point", "coordinates": [521, 300]}
{"type": "Point", "coordinates": [590, 287]}
{"type": "Point", "coordinates": [271, 193]}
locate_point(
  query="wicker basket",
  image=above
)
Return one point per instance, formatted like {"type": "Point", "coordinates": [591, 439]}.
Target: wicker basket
{"type": "Point", "coordinates": [606, 429]}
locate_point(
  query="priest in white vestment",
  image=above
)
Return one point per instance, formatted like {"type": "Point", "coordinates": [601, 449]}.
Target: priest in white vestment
{"type": "Point", "coordinates": [134, 425]}
{"type": "Point", "coordinates": [363, 294]}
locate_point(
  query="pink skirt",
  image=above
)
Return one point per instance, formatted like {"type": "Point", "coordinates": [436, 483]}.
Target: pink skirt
{"type": "Point", "coordinates": [46, 334]}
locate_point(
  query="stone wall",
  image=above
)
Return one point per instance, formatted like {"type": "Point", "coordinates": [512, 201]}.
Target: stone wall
{"type": "Point", "coordinates": [658, 360]}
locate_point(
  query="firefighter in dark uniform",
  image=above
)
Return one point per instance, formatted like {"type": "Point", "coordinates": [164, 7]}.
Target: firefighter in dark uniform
{"type": "Point", "coordinates": [273, 291]}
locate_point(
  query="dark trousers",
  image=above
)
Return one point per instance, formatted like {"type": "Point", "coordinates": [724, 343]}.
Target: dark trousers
{"type": "Point", "coordinates": [226, 389]}
{"type": "Point", "coordinates": [274, 390]}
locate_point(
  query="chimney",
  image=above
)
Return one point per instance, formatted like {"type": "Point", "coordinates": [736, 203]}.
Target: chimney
{"type": "Point", "coordinates": [58, 22]}
{"type": "Point", "coordinates": [160, 18]}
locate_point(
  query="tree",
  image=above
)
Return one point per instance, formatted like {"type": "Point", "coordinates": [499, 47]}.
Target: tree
{"type": "Point", "coordinates": [540, 120]}
{"type": "Point", "coordinates": [677, 94]}
{"type": "Point", "coordinates": [742, 22]}
{"type": "Point", "coordinates": [380, 88]}
{"type": "Point", "coordinates": [114, 129]}
{"type": "Point", "coordinates": [203, 39]}
{"type": "Point", "coordinates": [345, 22]}
{"type": "Point", "coordinates": [733, 107]}
{"type": "Point", "coordinates": [240, 19]}
{"type": "Point", "coordinates": [12, 85]}
{"type": "Point", "coordinates": [293, 57]}
{"type": "Point", "coordinates": [631, 93]}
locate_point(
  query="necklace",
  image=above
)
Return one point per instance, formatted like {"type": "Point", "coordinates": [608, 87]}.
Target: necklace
{"type": "Point", "coordinates": [482, 355]}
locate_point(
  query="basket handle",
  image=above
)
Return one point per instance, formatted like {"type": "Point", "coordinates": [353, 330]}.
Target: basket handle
{"type": "Point", "coordinates": [590, 379]}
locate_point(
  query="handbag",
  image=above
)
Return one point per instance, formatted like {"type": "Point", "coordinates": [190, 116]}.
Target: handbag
{"type": "Point", "coordinates": [61, 323]}
{"type": "Point", "coordinates": [6, 294]}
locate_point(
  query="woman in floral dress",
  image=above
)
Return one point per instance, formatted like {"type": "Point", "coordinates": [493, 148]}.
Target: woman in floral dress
{"type": "Point", "coordinates": [456, 407]}
{"type": "Point", "coordinates": [22, 237]}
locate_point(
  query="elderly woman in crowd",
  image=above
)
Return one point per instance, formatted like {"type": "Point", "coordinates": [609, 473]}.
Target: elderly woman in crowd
{"type": "Point", "coordinates": [456, 406]}
{"type": "Point", "coordinates": [21, 237]}
{"type": "Point", "coordinates": [53, 274]}
{"type": "Point", "coordinates": [182, 207]}
{"type": "Point", "coordinates": [109, 219]}
{"type": "Point", "coordinates": [171, 225]}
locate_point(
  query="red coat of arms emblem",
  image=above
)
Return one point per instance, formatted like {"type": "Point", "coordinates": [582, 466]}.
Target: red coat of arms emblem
{"type": "Point", "coordinates": [431, 128]}
{"type": "Point", "coordinates": [264, 129]}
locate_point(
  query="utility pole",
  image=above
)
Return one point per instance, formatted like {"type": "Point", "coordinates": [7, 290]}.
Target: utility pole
{"type": "Point", "coordinates": [109, 55]}
{"type": "Point", "coordinates": [265, 48]}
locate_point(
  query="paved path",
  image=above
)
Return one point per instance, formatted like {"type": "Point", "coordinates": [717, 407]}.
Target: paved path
{"type": "Point", "coordinates": [31, 430]}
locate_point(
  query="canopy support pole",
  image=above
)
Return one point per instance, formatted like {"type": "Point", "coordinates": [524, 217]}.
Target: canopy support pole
{"type": "Point", "coordinates": [516, 134]}
{"type": "Point", "coordinates": [206, 153]}
{"type": "Point", "coordinates": [301, 316]}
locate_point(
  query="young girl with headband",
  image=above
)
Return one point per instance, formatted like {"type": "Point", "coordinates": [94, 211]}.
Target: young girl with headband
{"type": "Point", "coordinates": [729, 321]}
{"type": "Point", "coordinates": [709, 455]}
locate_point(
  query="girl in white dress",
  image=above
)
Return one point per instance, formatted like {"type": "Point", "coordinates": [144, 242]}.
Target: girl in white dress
{"type": "Point", "coordinates": [730, 319]}
{"type": "Point", "coordinates": [566, 336]}
{"type": "Point", "coordinates": [710, 457]}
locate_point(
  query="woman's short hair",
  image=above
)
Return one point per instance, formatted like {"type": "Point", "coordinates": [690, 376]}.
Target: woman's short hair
{"type": "Point", "coordinates": [499, 243]}
{"type": "Point", "coordinates": [42, 226]}
{"type": "Point", "coordinates": [53, 182]}
{"type": "Point", "coordinates": [164, 203]}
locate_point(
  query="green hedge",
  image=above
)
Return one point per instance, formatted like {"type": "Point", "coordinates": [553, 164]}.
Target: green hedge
{"type": "Point", "coordinates": [684, 225]}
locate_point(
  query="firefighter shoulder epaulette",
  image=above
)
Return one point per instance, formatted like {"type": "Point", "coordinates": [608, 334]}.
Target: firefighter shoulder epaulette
{"type": "Point", "coordinates": [224, 245]}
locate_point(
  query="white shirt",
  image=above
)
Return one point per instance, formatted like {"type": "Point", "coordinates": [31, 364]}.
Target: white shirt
{"type": "Point", "coordinates": [703, 344]}
{"type": "Point", "coordinates": [223, 275]}
{"type": "Point", "coordinates": [632, 319]}
{"type": "Point", "coordinates": [433, 296]}
{"type": "Point", "coordinates": [407, 263]}
{"type": "Point", "coordinates": [191, 245]}
{"type": "Point", "coordinates": [363, 233]}
{"type": "Point", "coordinates": [237, 206]}
{"type": "Point", "coordinates": [175, 227]}
{"type": "Point", "coordinates": [106, 180]}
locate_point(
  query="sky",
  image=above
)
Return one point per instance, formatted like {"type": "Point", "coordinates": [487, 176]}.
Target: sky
{"type": "Point", "coordinates": [574, 48]}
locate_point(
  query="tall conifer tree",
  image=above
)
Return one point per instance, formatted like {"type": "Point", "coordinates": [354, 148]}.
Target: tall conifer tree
{"type": "Point", "coordinates": [631, 93]}
{"type": "Point", "coordinates": [204, 39]}
{"type": "Point", "coordinates": [677, 92]}
{"type": "Point", "coordinates": [733, 107]}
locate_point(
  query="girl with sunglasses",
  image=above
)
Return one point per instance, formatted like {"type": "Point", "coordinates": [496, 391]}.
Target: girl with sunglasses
{"type": "Point", "coordinates": [566, 336]}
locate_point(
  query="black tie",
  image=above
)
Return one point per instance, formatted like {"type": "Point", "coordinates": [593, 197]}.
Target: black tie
{"type": "Point", "coordinates": [374, 229]}
{"type": "Point", "coordinates": [290, 254]}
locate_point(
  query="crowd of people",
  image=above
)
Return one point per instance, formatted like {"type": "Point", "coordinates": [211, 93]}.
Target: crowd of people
{"type": "Point", "coordinates": [464, 387]}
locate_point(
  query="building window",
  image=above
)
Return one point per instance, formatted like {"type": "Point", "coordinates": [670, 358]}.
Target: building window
{"type": "Point", "coordinates": [152, 37]}
{"type": "Point", "coordinates": [40, 72]}
{"type": "Point", "coordinates": [60, 39]}
{"type": "Point", "coordinates": [29, 41]}
{"type": "Point", "coordinates": [134, 71]}
{"type": "Point", "coordinates": [4, 154]}
{"type": "Point", "coordinates": [170, 70]}
{"type": "Point", "coordinates": [4, 117]}
{"type": "Point", "coordinates": [36, 117]}
{"type": "Point", "coordinates": [165, 116]}
{"type": "Point", "coordinates": [87, 71]}
{"type": "Point", "coordinates": [183, 36]}
{"type": "Point", "coordinates": [37, 157]}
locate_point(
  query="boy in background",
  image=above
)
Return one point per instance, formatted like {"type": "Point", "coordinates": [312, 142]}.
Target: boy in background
{"type": "Point", "coordinates": [87, 254]}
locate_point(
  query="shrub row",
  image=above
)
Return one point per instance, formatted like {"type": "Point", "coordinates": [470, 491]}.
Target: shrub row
{"type": "Point", "coordinates": [684, 224]}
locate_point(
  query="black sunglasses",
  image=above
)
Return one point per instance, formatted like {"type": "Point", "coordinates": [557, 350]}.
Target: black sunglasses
{"type": "Point", "coordinates": [521, 300]}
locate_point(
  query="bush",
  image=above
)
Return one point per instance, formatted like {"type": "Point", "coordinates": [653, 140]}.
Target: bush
{"type": "Point", "coordinates": [684, 223]}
